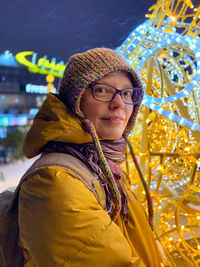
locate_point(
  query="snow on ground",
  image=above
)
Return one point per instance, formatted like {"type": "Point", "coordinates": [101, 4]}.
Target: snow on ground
{"type": "Point", "coordinates": [11, 173]}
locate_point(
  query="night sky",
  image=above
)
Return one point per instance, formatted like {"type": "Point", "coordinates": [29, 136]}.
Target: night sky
{"type": "Point", "coordinates": [64, 27]}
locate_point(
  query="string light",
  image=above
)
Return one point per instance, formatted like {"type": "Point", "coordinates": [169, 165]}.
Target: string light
{"type": "Point", "coordinates": [165, 53]}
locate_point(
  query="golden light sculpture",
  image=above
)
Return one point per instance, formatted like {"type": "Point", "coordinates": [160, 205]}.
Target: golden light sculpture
{"type": "Point", "coordinates": [165, 52]}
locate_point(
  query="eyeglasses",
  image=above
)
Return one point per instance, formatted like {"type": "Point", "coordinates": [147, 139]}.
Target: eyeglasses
{"type": "Point", "coordinates": [106, 93]}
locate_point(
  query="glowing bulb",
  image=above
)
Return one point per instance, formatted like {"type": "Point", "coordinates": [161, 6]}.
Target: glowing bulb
{"type": "Point", "coordinates": [173, 18]}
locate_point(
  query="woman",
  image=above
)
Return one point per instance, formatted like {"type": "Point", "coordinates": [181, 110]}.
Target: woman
{"type": "Point", "coordinates": [61, 222]}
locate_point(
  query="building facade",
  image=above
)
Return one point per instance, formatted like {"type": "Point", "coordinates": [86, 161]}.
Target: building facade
{"type": "Point", "coordinates": [21, 94]}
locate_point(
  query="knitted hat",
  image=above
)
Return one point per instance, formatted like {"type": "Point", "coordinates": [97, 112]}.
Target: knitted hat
{"type": "Point", "coordinates": [85, 68]}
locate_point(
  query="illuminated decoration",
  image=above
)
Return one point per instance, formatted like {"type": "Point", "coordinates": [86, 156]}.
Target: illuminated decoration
{"type": "Point", "coordinates": [50, 79]}
{"type": "Point", "coordinates": [3, 132]}
{"type": "Point", "coordinates": [41, 65]}
{"type": "Point", "coordinates": [13, 120]}
{"type": "Point", "coordinates": [38, 89]}
{"type": "Point", "coordinates": [4, 121]}
{"type": "Point", "coordinates": [8, 59]}
{"type": "Point", "coordinates": [165, 52]}
{"type": "Point", "coordinates": [33, 111]}
{"type": "Point", "coordinates": [40, 100]}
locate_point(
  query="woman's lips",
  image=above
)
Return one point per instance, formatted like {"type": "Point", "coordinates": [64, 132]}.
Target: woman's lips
{"type": "Point", "coordinates": [116, 120]}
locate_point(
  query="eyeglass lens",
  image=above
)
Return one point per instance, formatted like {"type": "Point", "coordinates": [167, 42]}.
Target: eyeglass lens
{"type": "Point", "coordinates": [105, 93]}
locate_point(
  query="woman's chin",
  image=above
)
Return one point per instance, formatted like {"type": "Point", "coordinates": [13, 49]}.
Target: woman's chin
{"type": "Point", "coordinates": [110, 136]}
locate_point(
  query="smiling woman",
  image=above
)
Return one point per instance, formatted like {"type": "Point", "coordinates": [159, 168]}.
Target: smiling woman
{"type": "Point", "coordinates": [86, 214]}
{"type": "Point", "coordinates": [110, 117]}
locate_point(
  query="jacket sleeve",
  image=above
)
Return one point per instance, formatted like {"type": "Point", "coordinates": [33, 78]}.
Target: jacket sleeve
{"type": "Point", "coordinates": [62, 224]}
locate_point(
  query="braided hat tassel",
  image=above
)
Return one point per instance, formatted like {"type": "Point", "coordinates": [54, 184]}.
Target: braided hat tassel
{"type": "Point", "coordinates": [106, 170]}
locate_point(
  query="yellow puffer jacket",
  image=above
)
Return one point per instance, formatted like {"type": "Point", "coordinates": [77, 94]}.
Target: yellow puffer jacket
{"type": "Point", "coordinates": [61, 223]}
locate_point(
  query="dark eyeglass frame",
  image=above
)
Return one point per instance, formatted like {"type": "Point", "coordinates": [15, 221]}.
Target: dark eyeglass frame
{"type": "Point", "coordinates": [118, 91]}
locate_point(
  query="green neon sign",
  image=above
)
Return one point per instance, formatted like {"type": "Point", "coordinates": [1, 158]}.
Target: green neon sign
{"type": "Point", "coordinates": [41, 65]}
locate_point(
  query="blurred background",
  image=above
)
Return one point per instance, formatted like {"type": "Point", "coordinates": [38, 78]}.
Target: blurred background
{"type": "Point", "coordinates": [53, 31]}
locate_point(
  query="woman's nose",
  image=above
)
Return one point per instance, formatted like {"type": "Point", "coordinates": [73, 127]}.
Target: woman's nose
{"type": "Point", "coordinates": [117, 102]}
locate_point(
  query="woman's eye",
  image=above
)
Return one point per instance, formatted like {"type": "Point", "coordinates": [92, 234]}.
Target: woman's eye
{"type": "Point", "coordinates": [127, 93]}
{"type": "Point", "coordinates": [100, 90]}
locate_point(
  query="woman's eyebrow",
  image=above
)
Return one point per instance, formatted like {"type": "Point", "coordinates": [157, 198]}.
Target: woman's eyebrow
{"type": "Point", "coordinates": [129, 85]}
{"type": "Point", "coordinates": [124, 86]}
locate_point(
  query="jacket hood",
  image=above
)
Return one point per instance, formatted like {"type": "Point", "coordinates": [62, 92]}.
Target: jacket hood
{"type": "Point", "coordinates": [54, 122]}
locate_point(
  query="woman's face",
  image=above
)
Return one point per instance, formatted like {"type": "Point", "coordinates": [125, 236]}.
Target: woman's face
{"type": "Point", "coordinates": [109, 118]}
